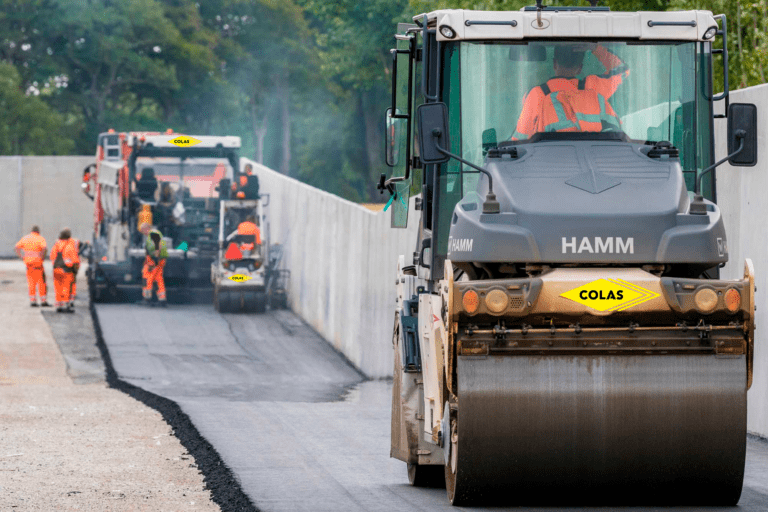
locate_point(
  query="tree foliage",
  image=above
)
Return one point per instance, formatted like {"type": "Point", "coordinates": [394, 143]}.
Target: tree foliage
{"type": "Point", "coordinates": [304, 83]}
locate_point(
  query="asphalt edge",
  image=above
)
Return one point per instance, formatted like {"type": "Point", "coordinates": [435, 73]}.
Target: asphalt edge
{"type": "Point", "coordinates": [225, 488]}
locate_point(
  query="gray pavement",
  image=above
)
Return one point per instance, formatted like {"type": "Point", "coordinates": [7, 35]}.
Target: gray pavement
{"type": "Point", "coordinates": [292, 419]}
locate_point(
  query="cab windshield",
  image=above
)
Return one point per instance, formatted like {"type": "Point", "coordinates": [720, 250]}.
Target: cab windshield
{"type": "Point", "coordinates": [525, 92]}
{"type": "Point", "coordinates": [178, 179]}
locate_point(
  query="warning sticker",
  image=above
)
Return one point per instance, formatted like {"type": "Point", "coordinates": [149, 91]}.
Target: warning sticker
{"type": "Point", "coordinates": [239, 278]}
{"type": "Point", "coordinates": [184, 141]}
{"type": "Point", "coordinates": [610, 295]}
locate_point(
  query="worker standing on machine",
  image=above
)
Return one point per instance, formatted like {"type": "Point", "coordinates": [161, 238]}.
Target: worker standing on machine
{"type": "Point", "coordinates": [566, 103]}
{"type": "Point", "coordinates": [154, 264]}
{"type": "Point", "coordinates": [31, 248]}
{"type": "Point", "coordinates": [65, 258]}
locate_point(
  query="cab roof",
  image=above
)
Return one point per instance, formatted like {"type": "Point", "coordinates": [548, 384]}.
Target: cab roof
{"type": "Point", "coordinates": [569, 23]}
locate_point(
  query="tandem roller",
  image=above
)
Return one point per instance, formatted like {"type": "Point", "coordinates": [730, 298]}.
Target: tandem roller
{"type": "Point", "coordinates": [564, 332]}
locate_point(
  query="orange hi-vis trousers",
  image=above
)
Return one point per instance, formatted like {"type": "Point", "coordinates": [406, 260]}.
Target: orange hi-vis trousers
{"type": "Point", "coordinates": [153, 274]}
{"type": "Point", "coordinates": [36, 282]}
{"type": "Point", "coordinates": [62, 283]}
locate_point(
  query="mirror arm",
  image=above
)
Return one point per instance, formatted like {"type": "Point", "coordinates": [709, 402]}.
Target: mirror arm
{"type": "Point", "coordinates": [491, 205]}
{"type": "Point", "coordinates": [741, 135]}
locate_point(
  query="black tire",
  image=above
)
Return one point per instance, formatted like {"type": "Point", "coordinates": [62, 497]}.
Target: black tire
{"type": "Point", "coordinates": [426, 476]}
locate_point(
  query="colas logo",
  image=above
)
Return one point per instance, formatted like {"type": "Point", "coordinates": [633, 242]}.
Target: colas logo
{"type": "Point", "coordinates": [610, 295]}
{"type": "Point", "coordinates": [239, 278]}
{"type": "Point", "coordinates": [184, 141]}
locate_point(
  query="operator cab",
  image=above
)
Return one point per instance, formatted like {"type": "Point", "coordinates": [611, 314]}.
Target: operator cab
{"type": "Point", "coordinates": [577, 117]}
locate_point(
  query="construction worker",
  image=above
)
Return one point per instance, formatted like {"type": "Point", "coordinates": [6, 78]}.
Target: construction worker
{"type": "Point", "coordinates": [64, 257]}
{"type": "Point", "coordinates": [248, 227]}
{"type": "Point", "coordinates": [565, 103]}
{"type": "Point", "coordinates": [31, 248]}
{"type": "Point", "coordinates": [154, 264]}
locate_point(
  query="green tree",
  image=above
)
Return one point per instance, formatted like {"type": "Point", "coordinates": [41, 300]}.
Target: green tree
{"type": "Point", "coordinates": [29, 126]}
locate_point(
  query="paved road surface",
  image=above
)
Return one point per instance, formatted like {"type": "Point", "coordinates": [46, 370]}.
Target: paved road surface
{"type": "Point", "coordinates": [297, 425]}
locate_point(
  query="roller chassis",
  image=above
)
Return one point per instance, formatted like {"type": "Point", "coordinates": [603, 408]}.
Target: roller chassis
{"type": "Point", "coordinates": [240, 285]}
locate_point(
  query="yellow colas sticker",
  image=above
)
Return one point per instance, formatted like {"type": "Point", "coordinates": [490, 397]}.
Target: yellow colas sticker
{"type": "Point", "coordinates": [610, 295]}
{"type": "Point", "coordinates": [239, 278]}
{"type": "Point", "coordinates": [184, 141]}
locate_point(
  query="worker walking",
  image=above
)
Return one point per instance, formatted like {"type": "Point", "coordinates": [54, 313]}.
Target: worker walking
{"type": "Point", "coordinates": [154, 264]}
{"type": "Point", "coordinates": [65, 259]}
{"type": "Point", "coordinates": [31, 248]}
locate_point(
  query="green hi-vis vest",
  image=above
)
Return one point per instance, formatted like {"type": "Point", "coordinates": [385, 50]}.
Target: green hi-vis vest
{"type": "Point", "coordinates": [150, 245]}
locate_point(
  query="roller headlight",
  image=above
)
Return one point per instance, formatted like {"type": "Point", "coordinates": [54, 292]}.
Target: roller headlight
{"type": "Point", "coordinates": [705, 300]}
{"type": "Point", "coordinates": [732, 300]}
{"type": "Point", "coordinates": [710, 33]}
{"type": "Point", "coordinates": [496, 301]}
{"type": "Point", "coordinates": [470, 301]}
{"type": "Point", "coordinates": [447, 32]}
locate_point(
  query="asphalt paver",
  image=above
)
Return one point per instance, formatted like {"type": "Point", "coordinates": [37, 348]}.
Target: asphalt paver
{"type": "Point", "coordinates": [299, 427]}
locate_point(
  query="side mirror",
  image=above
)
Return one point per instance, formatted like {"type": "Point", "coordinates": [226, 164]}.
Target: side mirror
{"type": "Point", "coordinates": [433, 131]}
{"type": "Point", "coordinates": [742, 124]}
{"type": "Point", "coordinates": [395, 128]}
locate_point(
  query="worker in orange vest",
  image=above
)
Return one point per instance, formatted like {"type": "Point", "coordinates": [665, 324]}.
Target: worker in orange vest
{"type": "Point", "coordinates": [249, 227]}
{"type": "Point", "coordinates": [154, 264]}
{"type": "Point", "coordinates": [65, 258]}
{"type": "Point", "coordinates": [565, 103]}
{"type": "Point", "coordinates": [31, 248]}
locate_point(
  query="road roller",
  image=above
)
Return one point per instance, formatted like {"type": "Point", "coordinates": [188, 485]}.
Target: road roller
{"type": "Point", "coordinates": [561, 333]}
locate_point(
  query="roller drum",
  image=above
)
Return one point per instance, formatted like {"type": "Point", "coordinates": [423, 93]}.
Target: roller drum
{"type": "Point", "coordinates": [600, 429]}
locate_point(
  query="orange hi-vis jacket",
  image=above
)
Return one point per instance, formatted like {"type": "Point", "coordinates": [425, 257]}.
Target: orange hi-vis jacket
{"type": "Point", "coordinates": [575, 111]}
{"type": "Point", "coordinates": [68, 250]}
{"type": "Point", "coordinates": [537, 100]}
{"type": "Point", "coordinates": [32, 249]}
{"type": "Point", "coordinates": [249, 228]}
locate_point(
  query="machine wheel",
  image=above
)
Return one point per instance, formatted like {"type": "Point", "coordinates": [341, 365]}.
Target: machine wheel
{"type": "Point", "coordinates": [457, 495]}
{"type": "Point", "coordinates": [261, 302]}
{"type": "Point", "coordinates": [426, 476]}
{"type": "Point", "coordinates": [250, 302]}
{"type": "Point", "coordinates": [225, 302]}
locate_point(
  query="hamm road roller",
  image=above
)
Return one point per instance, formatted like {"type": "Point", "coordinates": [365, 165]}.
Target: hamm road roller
{"type": "Point", "coordinates": [561, 334]}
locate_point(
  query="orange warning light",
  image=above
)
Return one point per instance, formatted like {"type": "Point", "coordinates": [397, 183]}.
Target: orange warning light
{"type": "Point", "coordinates": [471, 301]}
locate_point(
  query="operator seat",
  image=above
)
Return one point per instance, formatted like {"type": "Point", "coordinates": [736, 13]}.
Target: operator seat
{"type": "Point", "coordinates": [146, 186]}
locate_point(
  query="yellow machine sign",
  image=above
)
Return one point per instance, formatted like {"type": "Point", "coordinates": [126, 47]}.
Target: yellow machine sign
{"type": "Point", "coordinates": [610, 295]}
{"type": "Point", "coordinates": [239, 278]}
{"type": "Point", "coordinates": [184, 141]}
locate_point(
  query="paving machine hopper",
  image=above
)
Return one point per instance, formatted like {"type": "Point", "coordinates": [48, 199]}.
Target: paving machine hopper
{"type": "Point", "coordinates": [174, 182]}
{"type": "Point", "coordinates": [562, 335]}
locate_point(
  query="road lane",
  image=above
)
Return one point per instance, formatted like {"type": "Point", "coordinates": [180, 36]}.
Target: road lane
{"type": "Point", "coordinates": [291, 418]}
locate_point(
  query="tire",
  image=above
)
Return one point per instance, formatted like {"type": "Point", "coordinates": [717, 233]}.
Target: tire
{"type": "Point", "coordinates": [426, 476]}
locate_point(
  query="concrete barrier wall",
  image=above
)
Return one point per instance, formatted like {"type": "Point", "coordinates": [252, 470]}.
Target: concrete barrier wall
{"type": "Point", "coordinates": [343, 263]}
{"type": "Point", "coordinates": [742, 193]}
{"type": "Point", "coordinates": [43, 190]}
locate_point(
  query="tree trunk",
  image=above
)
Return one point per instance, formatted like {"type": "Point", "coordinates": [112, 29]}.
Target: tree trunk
{"type": "Point", "coordinates": [259, 131]}
{"type": "Point", "coordinates": [285, 116]}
